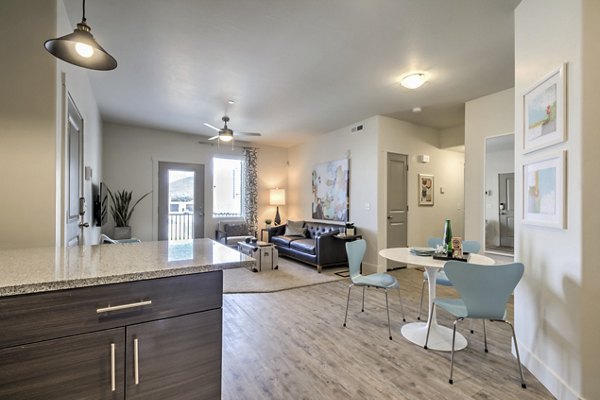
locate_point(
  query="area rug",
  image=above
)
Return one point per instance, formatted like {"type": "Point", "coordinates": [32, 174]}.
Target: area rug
{"type": "Point", "coordinates": [290, 275]}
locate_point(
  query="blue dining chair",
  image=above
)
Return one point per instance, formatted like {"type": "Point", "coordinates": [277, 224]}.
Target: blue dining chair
{"type": "Point", "coordinates": [484, 292]}
{"type": "Point", "coordinates": [469, 246]}
{"type": "Point", "coordinates": [356, 252]}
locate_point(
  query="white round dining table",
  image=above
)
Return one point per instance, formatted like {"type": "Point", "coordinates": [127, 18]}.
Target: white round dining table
{"type": "Point", "coordinates": [440, 337]}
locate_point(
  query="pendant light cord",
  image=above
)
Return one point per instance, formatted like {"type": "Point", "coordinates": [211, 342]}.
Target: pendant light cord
{"type": "Point", "coordinates": [84, 11]}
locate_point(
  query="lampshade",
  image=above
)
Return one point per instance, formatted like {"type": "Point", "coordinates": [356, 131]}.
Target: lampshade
{"type": "Point", "coordinates": [413, 81]}
{"type": "Point", "coordinates": [81, 49]}
{"type": "Point", "coordinates": [277, 197]}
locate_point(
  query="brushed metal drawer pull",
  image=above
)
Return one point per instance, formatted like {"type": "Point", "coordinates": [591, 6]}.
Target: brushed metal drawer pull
{"type": "Point", "coordinates": [113, 378]}
{"type": "Point", "coordinates": [123, 306]}
{"type": "Point", "coordinates": [136, 361]}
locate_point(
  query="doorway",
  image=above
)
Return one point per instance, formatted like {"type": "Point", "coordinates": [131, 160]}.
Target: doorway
{"type": "Point", "coordinates": [75, 200]}
{"type": "Point", "coordinates": [397, 204]}
{"type": "Point", "coordinates": [499, 194]}
{"type": "Point", "coordinates": [180, 201]}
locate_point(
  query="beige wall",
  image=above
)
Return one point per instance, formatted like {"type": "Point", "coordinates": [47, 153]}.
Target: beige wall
{"type": "Point", "coordinates": [556, 303]}
{"type": "Point", "coordinates": [452, 137]}
{"type": "Point", "coordinates": [447, 167]}
{"type": "Point", "coordinates": [27, 124]}
{"type": "Point", "coordinates": [487, 116]}
{"type": "Point", "coordinates": [131, 156]}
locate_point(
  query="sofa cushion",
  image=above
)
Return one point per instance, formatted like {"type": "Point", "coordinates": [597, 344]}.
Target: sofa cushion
{"type": "Point", "coordinates": [284, 241]}
{"type": "Point", "coordinates": [234, 240]}
{"type": "Point", "coordinates": [304, 245]}
{"type": "Point", "coordinates": [295, 228]}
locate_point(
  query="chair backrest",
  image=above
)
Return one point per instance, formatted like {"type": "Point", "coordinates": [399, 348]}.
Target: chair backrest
{"type": "Point", "coordinates": [434, 242]}
{"type": "Point", "coordinates": [484, 289]}
{"type": "Point", "coordinates": [356, 252]}
{"type": "Point", "coordinates": [471, 246]}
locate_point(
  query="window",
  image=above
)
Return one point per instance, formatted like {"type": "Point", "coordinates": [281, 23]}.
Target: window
{"type": "Point", "coordinates": [227, 187]}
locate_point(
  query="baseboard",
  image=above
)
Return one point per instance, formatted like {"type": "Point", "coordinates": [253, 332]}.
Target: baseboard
{"type": "Point", "coordinates": [549, 378]}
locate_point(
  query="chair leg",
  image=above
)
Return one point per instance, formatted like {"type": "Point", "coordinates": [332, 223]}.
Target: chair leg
{"type": "Point", "coordinates": [452, 353]}
{"type": "Point", "coordinates": [401, 304]}
{"type": "Point", "coordinates": [523, 385]}
{"type": "Point", "coordinates": [387, 308]}
{"type": "Point", "coordinates": [429, 327]}
{"type": "Point", "coordinates": [363, 303]}
{"type": "Point", "coordinates": [421, 301]}
{"type": "Point", "coordinates": [348, 303]}
{"type": "Point", "coordinates": [484, 336]}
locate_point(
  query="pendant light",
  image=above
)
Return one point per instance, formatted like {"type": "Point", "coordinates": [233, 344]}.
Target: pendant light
{"type": "Point", "coordinates": [80, 48]}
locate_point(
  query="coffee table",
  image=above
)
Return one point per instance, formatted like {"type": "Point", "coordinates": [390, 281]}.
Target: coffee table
{"type": "Point", "coordinates": [440, 337]}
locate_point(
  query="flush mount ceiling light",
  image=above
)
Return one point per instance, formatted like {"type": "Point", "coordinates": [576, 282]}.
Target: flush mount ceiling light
{"type": "Point", "coordinates": [80, 48]}
{"type": "Point", "coordinates": [414, 80]}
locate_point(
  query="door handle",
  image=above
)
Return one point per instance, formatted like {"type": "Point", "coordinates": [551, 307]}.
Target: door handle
{"type": "Point", "coordinates": [113, 378]}
{"type": "Point", "coordinates": [136, 361]}
{"type": "Point", "coordinates": [389, 217]}
{"type": "Point", "coordinates": [84, 225]}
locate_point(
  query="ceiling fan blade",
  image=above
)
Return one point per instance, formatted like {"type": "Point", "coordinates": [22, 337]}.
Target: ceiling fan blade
{"type": "Point", "coordinates": [212, 127]}
{"type": "Point", "coordinates": [247, 133]}
{"type": "Point", "coordinates": [214, 137]}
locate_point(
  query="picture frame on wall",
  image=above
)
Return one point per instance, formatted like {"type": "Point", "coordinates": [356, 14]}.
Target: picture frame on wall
{"type": "Point", "coordinates": [426, 187]}
{"type": "Point", "coordinates": [544, 190]}
{"type": "Point", "coordinates": [544, 112]}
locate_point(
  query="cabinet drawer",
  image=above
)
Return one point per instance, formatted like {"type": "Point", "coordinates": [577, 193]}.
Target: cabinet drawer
{"type": "Point", "coordinates": [41, 316]}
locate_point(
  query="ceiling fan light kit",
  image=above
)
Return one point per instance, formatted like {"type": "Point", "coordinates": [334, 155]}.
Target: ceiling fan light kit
{"type": "Point", "coordinates": [225, 134]}
{"type": "Point", "coordinates": [81, 49]}
{"type": "Point", "coordinates": [413, 80]}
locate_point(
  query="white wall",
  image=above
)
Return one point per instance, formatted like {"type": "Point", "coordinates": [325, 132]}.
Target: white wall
{"type": "Point", "coordinates": [78, 85]}
{"type": "Point", "coordinates": [131, 156]}
{"type": "Point", "coordinates": [447, 167]}
{"type": "Point", "coordinates": [487, 116]}
{"type": "Point", "coordinates": [361, 148]}
{"type": "Point", "coordinates": [452, 137]}
{"type": "Point", "coordinates": [497, 162]}
{"type": "Point", "coordinates": [27, 124]}
{"type": "Point", "coordinates": [556, 303]}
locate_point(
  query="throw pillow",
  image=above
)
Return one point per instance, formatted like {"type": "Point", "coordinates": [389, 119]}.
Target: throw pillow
{"type": "Point", "coordinates": [295, 228]}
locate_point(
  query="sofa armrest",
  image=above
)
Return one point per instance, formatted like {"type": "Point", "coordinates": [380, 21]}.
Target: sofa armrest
{"type": "Point", "coordinates": [330, 250]}
{"type": "Point", "coordinates": [220, 236]}
{"type": "Point", "coordinates": [275, 231]}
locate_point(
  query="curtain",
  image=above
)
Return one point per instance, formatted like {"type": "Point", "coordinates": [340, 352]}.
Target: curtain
{"type": "Point", "coordinates": [251, 188]}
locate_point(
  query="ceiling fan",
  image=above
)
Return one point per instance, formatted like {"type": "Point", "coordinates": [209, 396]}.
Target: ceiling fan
{"type": "Point", "coordinates": [226, 134]}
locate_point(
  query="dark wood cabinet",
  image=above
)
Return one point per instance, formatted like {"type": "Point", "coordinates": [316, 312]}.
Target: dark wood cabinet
{"type": "Point", "coordinates": [76, 367]}
{"type": "Point", "coordinates": [164, 344]}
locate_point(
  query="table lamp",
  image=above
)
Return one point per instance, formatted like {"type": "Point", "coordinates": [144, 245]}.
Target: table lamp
{"type": "Point", "coordinates": [277, 198]}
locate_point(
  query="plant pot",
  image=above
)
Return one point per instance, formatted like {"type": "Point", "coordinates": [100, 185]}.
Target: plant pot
{"type": "Point", "coordinates": [122, 232]}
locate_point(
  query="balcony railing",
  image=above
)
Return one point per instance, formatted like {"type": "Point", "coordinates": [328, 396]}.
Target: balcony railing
{"type": "Point", "coordinates": [181, 226]}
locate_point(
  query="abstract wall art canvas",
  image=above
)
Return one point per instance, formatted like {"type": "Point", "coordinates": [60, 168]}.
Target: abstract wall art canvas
{"type": "Point", "coordinates": [544, 191]}
{"type": "Point", "coordinates": [544, 112]}
{"type": "Point", "coordinates": [330, 185]}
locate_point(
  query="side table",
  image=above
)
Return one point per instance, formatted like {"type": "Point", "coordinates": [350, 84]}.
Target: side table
{"type": "Point", "coordinates": [264, 253]}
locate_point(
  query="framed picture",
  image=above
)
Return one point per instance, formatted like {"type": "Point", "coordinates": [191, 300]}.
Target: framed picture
{"type": "Point", "coordinates": [544, 191]}
{"type": "Point", "coordinates": [330, 191]}
{"type": "Point", "coordinates": [544, 112]}
{"type": "Point", "coordinates": [425, 190]}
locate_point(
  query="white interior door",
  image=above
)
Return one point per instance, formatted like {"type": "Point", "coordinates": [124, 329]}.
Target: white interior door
{"type": "Point", "coordinates": [75, 201]}
{"type": "Point", "coordinates": [397, 203]}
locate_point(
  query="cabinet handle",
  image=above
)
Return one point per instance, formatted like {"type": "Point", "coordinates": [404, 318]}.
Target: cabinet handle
{"type": "Point", "coordinates": [113, 383]}
{"type": "Point", "coordinates": [136, 361]}
{"type": "Point", "coordinates": [123, 306]}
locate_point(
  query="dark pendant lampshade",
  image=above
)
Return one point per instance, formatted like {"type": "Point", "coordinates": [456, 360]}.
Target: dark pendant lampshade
{"type": "Point", "coordinates": [80, 48]}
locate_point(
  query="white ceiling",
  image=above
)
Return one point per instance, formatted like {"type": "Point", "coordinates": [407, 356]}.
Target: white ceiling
{"type": "Point", "coordinates": [296, 67]}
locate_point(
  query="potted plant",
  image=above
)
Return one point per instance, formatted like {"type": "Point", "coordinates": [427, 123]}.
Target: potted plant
{"type": "Point", "coordinates": [121, 211]}
{"type": "Point", "coordinates": [268, 223]}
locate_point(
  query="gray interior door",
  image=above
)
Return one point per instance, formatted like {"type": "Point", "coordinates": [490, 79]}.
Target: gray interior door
{"type": "Point", "coordinates": [506, 183]}
{"type": "Point", "coordinates": [397, 207]}
{"type": "Point", "coordinates": [180, 201]}
{"type": "Point", "coordinates": [75, 201]}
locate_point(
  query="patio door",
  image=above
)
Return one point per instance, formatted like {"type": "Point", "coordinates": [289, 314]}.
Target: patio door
{"type": "Point", "coordinates": [180, 201]}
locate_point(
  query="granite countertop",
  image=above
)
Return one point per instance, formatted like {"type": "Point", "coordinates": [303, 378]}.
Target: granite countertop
{"type": "Point", "coordinates": [25, 271]}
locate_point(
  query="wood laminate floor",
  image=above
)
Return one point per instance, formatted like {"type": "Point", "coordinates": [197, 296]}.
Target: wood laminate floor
{"type": "Point", "coordinates": [291, 345]}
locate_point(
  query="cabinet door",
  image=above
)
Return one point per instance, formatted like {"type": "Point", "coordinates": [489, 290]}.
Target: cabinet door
{"type": "Point", "coordinates": [77, 367]}
{"type": "Point", "coordinates": [177, 358]}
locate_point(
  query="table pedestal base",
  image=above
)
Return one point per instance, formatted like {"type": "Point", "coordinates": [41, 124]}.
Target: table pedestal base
{"type": "Point", "coordinates": [440, 337]}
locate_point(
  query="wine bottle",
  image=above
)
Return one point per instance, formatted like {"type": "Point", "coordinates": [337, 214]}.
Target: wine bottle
{"type": "Point", "coordinates": [447, 239]}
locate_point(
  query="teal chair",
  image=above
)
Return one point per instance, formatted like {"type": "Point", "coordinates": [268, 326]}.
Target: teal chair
{"type": "Point", "coordinates": [469, 246]}
{"type": "Point", "coordinates": [484, 291]}
{"type": "Point", "coordinates": [356, 251]}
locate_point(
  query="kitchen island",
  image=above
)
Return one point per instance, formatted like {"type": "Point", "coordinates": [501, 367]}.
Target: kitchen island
{"type": "Point", "coordinates": [118, 321]}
